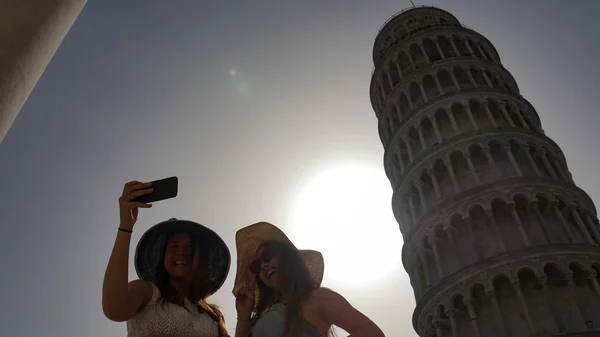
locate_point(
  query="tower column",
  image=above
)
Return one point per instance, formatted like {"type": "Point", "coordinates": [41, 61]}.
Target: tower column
{"type": "Point", "coordinates": [436, 129]}
{"type": "Point", "coordinates": [472, 169]}
{"type": "Point", "coordinates": [30, 33]}
{"type": "Point", "coordinates": [536, 209]}
{"type": "Point", "coordinates": [486, 108]}
{"type": "Point", "coordinates": [512, 160]}
{"type": "Point", "coordinates": [470, 114]}
{"type": "Point", "coordinates": [593, 227]}
{"type": "Point", "coordinates": [548, 165]}
{"type": "Point", "coordinates": [566, 226]}
{"type": "Point", "coordinates": [488, 154]}
{"type": "Point", "coordinates": [513, 212]}
{"type": "Point", "coordinates": [473, 318]}
{"type": "Point", "coordinates": [436, 187]}
{"type": "Point", "coordinates": [494, 225]}
{"type": "Point", "coordinates": [531, 161]}
{"type": "Point", "coordinates": [560, 325]}
{"type": "Point", "coordinates": [491, 294]}
{"type": "Point", "coordinates": [506, 114]}
{"type": "Point", "coordinates": [581, 225]}
{"type": "Point", "coordinates": [448, 164]}
{"type": "Point", "coordinates": [436, 254]}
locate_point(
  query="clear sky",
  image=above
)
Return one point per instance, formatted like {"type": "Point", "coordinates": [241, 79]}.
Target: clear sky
{"type": "Point", "coordinates": [245, 102]}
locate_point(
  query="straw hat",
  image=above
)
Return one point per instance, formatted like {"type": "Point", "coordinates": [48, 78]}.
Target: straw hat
{"type": "Point", "coordinates": [249, 239]}
{"type": "Point", "coordinates": [149, 251]}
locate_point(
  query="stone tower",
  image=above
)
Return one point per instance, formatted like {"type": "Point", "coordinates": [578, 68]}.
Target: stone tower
{"type": "Point", "coordinates": [498, 240]}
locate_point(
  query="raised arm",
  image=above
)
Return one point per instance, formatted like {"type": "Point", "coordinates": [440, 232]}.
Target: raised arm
{"type": "Point", "coordinates": [336, 310]}
{"type": "Point", "coordinates": [122, 300]}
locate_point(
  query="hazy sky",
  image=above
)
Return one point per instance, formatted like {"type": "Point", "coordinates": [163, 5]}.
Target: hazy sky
{"type": "Point", "coordinates": [144, 90]}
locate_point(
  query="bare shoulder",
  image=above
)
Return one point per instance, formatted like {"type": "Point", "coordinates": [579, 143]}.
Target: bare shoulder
{"type": "Point", "coordinates": [141, 289]}
{"type": "Point", "coordinates": [327, 294]}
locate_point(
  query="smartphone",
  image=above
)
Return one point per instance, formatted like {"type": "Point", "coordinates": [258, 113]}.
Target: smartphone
{"type": "Point", "coordinates": [163, 189]}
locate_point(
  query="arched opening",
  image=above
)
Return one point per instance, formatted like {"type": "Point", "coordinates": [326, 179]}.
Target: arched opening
{"type": "Point", "coordinates": [501, 121]}
{"type": "Point", "coordinates": [462, 119]}
{"type": "Point", "coordinates": [480, 163]}
{"type": "Point", "coordinates": [446, 81]}
{"type": "Point", "coordinates": [480, 116]}
{"type": "Point", "coordinates": [462, 172]}
{"type": "Point", "coordinates": [394, 75]}
{"type": "Point", "coordinates": [405, 65]}
{"type": "Point", "coordinates": [446, 47]}
{"type": "Point", "coordinates": [461, 46]}
{"type": "Point", "coordinates": [462, 78]}
{"type": "Point", "coordinates": [512, 311]}
{"type": "Point", "coordinates": [558, 287]}
{"type": "Point", "coordinates": [478, 76]}
{"type": "Point", "coordinates": [428, 132]}
{"type": "Point", "coordinates": [443, 178]}
{"type": "Point", "coordinates": [431, 88]}
{"type": "Point", "coordinates": [417, 56]}
{"type": "Point", "coordinates": [444, 124]}
{"type": "Point", "coordinates": [415, 94]}
{"type": "Point", "coordinates": [431, 50]}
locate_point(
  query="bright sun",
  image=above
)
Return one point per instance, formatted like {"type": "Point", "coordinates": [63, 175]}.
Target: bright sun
{"type": "Point", "coordinates": [345, 213]}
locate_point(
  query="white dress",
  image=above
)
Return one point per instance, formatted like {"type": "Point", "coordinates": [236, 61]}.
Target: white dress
{"type": "Point", "coordinates": [171, 319]}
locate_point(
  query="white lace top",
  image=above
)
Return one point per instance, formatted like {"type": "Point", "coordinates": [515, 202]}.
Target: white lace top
{"type": "Point", "coordinates": [171, 319]}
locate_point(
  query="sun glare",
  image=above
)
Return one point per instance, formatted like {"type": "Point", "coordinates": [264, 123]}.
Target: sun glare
{"type": "Point", "coordinates": [345, 213]}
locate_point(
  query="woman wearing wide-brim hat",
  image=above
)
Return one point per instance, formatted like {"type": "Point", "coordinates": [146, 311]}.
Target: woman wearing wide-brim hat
{"type": "Point", "coordinates": [278, 290]}
{"type": "Point", "coordinates": [180, 263]}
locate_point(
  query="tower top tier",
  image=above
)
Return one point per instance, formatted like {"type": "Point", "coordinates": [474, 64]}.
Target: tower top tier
{"type": "Point", "coordinates": [408, 22]}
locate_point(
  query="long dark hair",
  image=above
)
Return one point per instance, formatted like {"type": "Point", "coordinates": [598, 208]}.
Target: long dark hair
{"type": "Point", "coordinates": [199, 288]}
{"type": "Point", "coordinates": [295, 287]}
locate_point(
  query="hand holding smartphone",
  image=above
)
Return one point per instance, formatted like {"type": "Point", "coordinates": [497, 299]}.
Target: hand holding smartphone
{"type": "Point", "coordinates": [162, 189]}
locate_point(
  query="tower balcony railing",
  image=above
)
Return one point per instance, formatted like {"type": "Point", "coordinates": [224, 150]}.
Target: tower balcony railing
{"type": "Point", "coordinates": [415, 31]}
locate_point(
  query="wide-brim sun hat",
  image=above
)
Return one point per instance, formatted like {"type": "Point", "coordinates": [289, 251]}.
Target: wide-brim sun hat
{"type": "Point", "coordinates": [150, 251]}
{"type": "Point", "coordinates": [250, 238]}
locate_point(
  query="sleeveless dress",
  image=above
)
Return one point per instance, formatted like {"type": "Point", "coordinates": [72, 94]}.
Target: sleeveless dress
{"type": "Point", "coordinates": [171, 319]}
{"type": "Point", "coordinates": [272, 324]}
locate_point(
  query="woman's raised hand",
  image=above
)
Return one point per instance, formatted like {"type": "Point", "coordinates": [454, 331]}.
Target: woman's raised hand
{"type": "Point", "coordinates": [128, 209]}
{"type": "Point", "coordinates": [244, 300]}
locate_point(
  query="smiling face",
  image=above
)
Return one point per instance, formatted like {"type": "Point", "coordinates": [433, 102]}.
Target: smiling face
{"type": "Point", "coordinates": [266, 265]}
{"type": "Point", "coordinates": [181, 257]}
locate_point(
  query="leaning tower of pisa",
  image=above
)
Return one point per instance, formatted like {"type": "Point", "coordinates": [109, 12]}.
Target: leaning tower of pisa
{"type": "Point", "coordinates": [498, 240]}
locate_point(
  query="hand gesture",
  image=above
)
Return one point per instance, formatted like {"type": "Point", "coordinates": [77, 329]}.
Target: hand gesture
{"type": "Point", "coordinates": [128, 209]}
{"type": "Point", "coordinates": [244, 299]}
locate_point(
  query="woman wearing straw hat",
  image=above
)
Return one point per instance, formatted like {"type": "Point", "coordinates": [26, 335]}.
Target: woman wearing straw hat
{"type": "Point", "coordinates": [278, 290]}
{"type": "Point", "coordinates": [180, 263]}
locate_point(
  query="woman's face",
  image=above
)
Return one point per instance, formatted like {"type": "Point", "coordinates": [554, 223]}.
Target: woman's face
{"type": "Point", "coordinates": [180, 257]}
{"type": "Point", "coordinates": [266, 265]}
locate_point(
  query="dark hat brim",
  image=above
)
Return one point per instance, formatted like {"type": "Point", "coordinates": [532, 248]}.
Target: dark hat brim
{"type": "Point", "coordinates": [150, 250]}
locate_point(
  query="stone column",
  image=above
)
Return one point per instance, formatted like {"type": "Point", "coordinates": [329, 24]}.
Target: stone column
{"type": "Point", "coordinates": [488, 155]}
{"type": "Point", "coordinates": [581, 225]}
{"type": "Point", "coordinates": [517, 288]}
{"type": "Point", "coordinates": [452, 120]}
{"type": "Point", "coordinates": [517, 220]}
{"type": "Point", "coordinates": [466, 42]}
{"type": "Point", "coordinates": [389, 77]}
{"type": "Point", "coordinates": [521, 119]}
{"type": "Point", "coordinates": [436, 254]}
{"type": "Point", "coordinates": [512, 160]}
{"type": "Point", "coordinates": [563, 221]}
{"type": "Point", "coordinates": [486, 108]}
{"type": "Point", "coordinates": [419, 187]}
{"type": "Point", "coordinates": [437, 45]}
{"type": "Point", "coordinates": [424, 93]}
{"type": "Point", "coordinates": [470, 114]}
{"type": "Point", "coordinates": [536, 208]}
{"type": "Point", "coordinates": [592, 276]}
{"type": "Point", "coordinates": [421, 137]}
{"type": "Point", "coordinates": [472, 240]}
{"type": "Point", "coordinates": [454, 80]}
{"type": "Point", "coordinates": [452, 317]}
{"type": "Point", "coordinates": [560, 325]}
{"type": "Point", "coordinates": [437, 82]}
{"type": "Point", "coordinates": [438, 329]}
{"type": "Point", "coordinates": [487, 78]}
{"type": "Point", "coordinates": [457, 263]}
{"type": "Point", "coordinates": [30, 33]}
{"type": "Point", "coordinates": [409, 150]}
{"type": "Point", "coordinates": [472, 317]}
{"type": "Point", "coordinates": [413, 213]}
{"type": "Point", "coordinates": [491, 293]}
{"type": "Point", "coordinates": [425, 269]}
{"type": "Point", "coordinates": [494, 225]}
{"type": "Point", "coordinates": [561, 172]}
{"type": "Point", "coordinates": [454, 46]}
{"type": "Point", "coordinates": [531, 161]}
{"type": "Point", "coordinates": [400, 161]}
{"type": "Point", "coordinates": [448, 164]}
{"type": "Point", "coordinates": [548, 165]}
{"type": "Point", "coordinates": [593, 227]}
{"type": "Point", "coordinates": [569, 279]}
{"type": "Point", "coordinates": [472, 169]}
{"type": "Point", "coordinates": [506, 114]}
{"type": "Point", "coordinates": [436, 186]}
{"type": "Point", "coordinates": [399, 70]}
{"type": "Point", "coordinates": [424, 53]}
{"type": "Point", "coordinates": [471, 78]}
{"type": "Point", "coordinates": [436, 129]}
